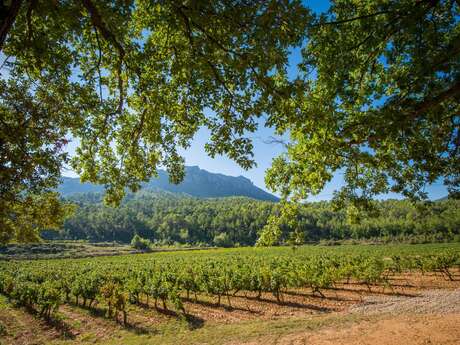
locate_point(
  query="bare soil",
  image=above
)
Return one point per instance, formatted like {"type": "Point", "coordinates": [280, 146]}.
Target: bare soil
{"type": "Point", "coordinates": [431, 317]}
{"type": "Point", "coordinates": [401, 329]}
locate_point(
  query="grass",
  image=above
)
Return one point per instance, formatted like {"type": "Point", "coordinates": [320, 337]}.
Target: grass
{"type": "Point", "coordinates": [48, 250]}
{"type": "Point", "coordinates": [62, 250]}
{"type": "Point", "coordinates": [173, 333]}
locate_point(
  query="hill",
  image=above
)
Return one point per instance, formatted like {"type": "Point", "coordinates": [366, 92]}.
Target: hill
{"type": "Point", "coordinates": [197, 182]}
{"type": "Point", "coordinates": [170, 218]}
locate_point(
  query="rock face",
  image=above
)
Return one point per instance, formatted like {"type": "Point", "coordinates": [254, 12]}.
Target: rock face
{"type": "Point", "coordinates": [197, 182]}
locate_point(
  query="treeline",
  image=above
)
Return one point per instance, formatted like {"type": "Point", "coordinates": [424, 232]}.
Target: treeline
{"type": "Point", "coordinates": [168, 219]}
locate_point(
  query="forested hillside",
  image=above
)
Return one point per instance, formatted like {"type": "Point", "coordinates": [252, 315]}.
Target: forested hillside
{"type": "Point", "coordinates": [168, 218]}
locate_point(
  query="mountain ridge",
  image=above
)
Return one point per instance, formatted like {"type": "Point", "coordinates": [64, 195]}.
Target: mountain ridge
{"type": "Point", "coordinates": [197, 183]}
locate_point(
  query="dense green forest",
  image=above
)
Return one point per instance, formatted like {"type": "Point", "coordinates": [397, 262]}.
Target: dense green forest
{"type": "Point", "coordinates": [167, 218]}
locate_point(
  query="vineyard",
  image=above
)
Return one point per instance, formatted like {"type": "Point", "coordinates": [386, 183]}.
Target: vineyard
{"type": "Point", "coordinates": [164, 281]}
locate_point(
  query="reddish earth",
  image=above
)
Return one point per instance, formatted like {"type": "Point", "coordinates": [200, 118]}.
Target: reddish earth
{"type": "Point", "coordinates": [404, 329]}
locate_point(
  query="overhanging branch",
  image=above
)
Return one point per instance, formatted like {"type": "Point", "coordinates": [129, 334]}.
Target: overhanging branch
{"type": "Point", "coordinates": [108, 35]}
{"type": "Point", "coordinates": [8, 19]}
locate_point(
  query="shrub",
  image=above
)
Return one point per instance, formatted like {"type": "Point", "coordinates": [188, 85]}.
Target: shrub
{"type": "Point", "coordinates": [223, 240]}
{"type": "Point", "coordinates": [140, 243]}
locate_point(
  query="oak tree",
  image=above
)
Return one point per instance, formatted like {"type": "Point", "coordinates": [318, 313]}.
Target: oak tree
{"type": "Point", "coordinates": [376, 96]}
{"type": "Point", "coordinates": [132, 81]}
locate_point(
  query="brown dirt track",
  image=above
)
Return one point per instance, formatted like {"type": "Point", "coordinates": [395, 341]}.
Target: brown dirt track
{"type": "Point", "coordinates": [432, 318]}
{"type": "Point", "coordinates": [407, 330]}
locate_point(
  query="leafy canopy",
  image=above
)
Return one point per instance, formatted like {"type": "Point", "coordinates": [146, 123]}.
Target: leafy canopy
{"type": "Point", "coordinates": [133, 81]}
{"type": "Point", "coordinates": [376, 97]}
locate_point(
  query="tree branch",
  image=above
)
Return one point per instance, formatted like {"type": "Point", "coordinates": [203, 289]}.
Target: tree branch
{"type": "Point", "coordinates": [273, 140]}
{"type": "Point", "coordinates": [187, 26]}
{"type": "Point", "coordinates": [337, 22]}
{"type": "Point", "coordinates": [8, 19]}
{"type": "Point", "coordinates": [99, 60]}
{"type": "Point", "coordinates": [431, 3]}
{"type": "Point", "coordinates": [108, 35]}
{"type": "Point", "coordinates": [416, 111]}
{"type": "Point", "coordinates": [218, 78]}
{"type": "Point", "coordinates": [97, 21]}
{"type": "Point", "coordinates": [426, 104]}
{"type": "Point", "coordinates": [31, 7]}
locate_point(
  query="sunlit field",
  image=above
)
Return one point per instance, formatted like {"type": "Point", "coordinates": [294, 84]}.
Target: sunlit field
{"type": "Point", "coordinates": [195, 295]}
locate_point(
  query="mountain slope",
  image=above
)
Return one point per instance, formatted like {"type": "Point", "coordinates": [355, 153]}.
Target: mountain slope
{"type": "Point", "coordinates": [197, 182]}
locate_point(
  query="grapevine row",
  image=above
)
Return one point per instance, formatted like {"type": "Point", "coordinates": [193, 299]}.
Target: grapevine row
{"type": "Point", "coordinates": [44, 286]}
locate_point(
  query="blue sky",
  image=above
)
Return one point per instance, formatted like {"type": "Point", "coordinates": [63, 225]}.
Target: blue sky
{"type": "Point", "coordinates": [263, 152]}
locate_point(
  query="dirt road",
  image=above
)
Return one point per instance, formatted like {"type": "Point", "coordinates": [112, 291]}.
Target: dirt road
{"type": "Point", "coordinates": [432, 318]}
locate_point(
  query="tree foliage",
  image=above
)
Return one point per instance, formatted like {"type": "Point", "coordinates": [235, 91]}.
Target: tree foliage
{"type": "Point", "coordinates": [377, 100]}
{"type": "Point", "coordinates": [140, 243]}
{"type": "Point", "coordinates": [167, 219]}
{"type": "Point", "coordinates": [32, 137]}
{"type": "Point", "coordinates": [376, 96]}
{"type": "Point", "coordinates": [133, 81]}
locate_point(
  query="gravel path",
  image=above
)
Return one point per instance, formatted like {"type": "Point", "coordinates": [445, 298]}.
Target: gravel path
{"type": "Point", "coordinates": [428, 302]}
{"type": "Point", "coordinates": [428, 319]}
